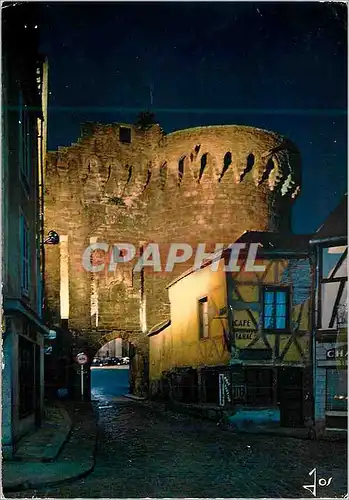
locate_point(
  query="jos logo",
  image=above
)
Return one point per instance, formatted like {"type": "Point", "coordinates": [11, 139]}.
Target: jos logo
{"type": "Point", "coordinates": [321, 482]}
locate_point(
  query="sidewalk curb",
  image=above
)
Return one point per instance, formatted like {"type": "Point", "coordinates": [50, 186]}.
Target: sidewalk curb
{"type": "Point", "coordinates": [32, 483]}
{"type": "Point", "coordinates": [223, 426]}
{"type": "Point", "coordinates": [50, 473]}
{"type": "Point", "coordinates": [135, 398]}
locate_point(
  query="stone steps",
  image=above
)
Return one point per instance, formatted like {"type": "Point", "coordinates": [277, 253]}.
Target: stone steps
{"type": "Point", "coordinates": [45, 444]}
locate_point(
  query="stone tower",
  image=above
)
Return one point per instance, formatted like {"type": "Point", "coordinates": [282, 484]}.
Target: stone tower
{"type": "Point", "coordinates": [122, 184]}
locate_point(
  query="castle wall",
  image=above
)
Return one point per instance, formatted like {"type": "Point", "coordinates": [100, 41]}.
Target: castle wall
{"type": "Point", "coordinates": [201, 185]}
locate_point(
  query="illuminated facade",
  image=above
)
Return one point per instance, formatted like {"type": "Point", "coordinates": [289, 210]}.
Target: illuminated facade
{"type": "Point", "coordinates": [331, 323]}
{"type": "Point", "coordinates": [241, 339]}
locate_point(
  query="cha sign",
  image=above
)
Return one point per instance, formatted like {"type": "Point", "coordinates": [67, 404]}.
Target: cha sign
{"type": "Point", "coordinates": [337, 353]}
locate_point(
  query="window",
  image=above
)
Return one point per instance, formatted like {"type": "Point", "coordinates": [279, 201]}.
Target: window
{"type": "Point", "coordinates": [336, 389]}
{"type": "Point", "coordinates": [180, 170]}
{"type": "Point", "coordinates": [24, 141]}
{"type": "Point", "coordinates": [259, 386]}
{"type": "Point", "coordinates": [203, 317]}
{"type": "Point", "coordinates": [125, 134]}
{"type": "Point", "coordinates": [211, 386]}
{"type": "Point", "coordinates": [24, 255]}
{"type": "Point", "coordinates": [276, 308]}
{"type": "Point", "coordinates": [163, 175]}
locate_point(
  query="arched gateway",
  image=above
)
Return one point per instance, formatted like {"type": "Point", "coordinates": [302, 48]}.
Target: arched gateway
{"type": "Point", "coordinates": [202, 185]}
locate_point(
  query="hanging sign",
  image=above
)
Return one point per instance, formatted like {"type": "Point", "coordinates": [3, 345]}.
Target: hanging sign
{"type": "Point", "coordinates": [51, 335]}
{"type": "Point", "coordinates": [337, 352]}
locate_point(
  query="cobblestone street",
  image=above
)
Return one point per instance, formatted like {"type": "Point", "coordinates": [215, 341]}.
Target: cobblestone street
{"type": "Point", "coordinates": [145, 453]}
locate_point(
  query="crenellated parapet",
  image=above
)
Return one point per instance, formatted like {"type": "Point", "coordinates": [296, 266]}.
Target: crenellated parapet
{"type": "Point", "coordinates": [223, 154]}
{"type": "Point", "coordinates": [107, 169]}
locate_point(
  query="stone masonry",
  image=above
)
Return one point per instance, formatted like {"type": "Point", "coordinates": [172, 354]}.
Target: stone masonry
{"type": "Point", "coordinates": [200, 185]}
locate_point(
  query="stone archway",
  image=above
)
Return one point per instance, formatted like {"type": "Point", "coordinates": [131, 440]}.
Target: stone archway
{"type": "Point", "coordinates": [138, 357]}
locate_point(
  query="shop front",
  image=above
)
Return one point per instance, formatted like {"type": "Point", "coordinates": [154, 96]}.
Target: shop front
{"type": "Point", "coordinates": [330, 327]}
{"type": "Point", "coordinates": [22, 376]}
{"type": "Point", "coordinates": [269, 395]}
{"type": "Point", "coordinates": [331, 409]}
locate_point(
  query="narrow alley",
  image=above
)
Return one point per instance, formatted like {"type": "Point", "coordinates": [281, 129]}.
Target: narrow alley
{"type": "Point", "coordinates": [174, 255]}
{"type": "Point", "coordinates": [147, 451]}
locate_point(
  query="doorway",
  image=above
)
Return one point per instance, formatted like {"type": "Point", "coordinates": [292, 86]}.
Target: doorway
{"type": "Point", "coordinates": [290, 396]}
{"type": "Point", "coordinates": [110, 371]}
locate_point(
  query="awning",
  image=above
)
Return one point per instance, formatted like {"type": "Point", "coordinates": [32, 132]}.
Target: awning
{"type": "Point", "coordinates": [159, 327]}
{"type": "Point", "coordinates": [16, 306]}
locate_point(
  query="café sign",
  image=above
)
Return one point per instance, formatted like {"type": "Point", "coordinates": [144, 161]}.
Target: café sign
{"type": "Point", "coordinates": [244, 328]}
{"type": "Point", "coordinates": [245, 334]}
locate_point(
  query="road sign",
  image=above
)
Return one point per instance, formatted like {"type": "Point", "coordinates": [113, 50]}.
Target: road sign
{"type": "Point", "coordinates": [81, 358]}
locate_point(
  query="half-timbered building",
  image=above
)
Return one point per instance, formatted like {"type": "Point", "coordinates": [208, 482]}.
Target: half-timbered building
{"type": "Point", "coordinates": [242, 337]}
{"type": "Point", "coordinates": [330, 322]}
{"type": "Point", "coordinates": [270, 329]}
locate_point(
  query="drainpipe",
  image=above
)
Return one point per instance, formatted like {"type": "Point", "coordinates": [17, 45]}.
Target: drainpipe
{"type": "Point", "coordinates": [41, 217]}
{"type": "Point", "coordinates": [42, 225]}
{"type": "Point", "coordinates": [230, 333]}
{"type": "Point", "coordinates": [42, 156]}
{"type": "Point", "coordinates": [142, 298]}
{"type": "Point", "coordinates": [143, 321]}
{"type": "Point", "coordinates": [314, 259]}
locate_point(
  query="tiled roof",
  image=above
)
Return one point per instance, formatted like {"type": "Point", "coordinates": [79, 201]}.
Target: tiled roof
{"type": "Point", "coordinates": [277, 241]}
{"type": "Point", "coordinates": [336, 224]}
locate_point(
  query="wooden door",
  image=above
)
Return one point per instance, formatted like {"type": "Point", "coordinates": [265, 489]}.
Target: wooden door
{"type": "Point", "coordinates": [37, 385]}
{"type": "Point", "coordinates": [290, 396]}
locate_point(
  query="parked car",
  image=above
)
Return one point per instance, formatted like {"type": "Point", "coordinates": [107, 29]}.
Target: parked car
{"type": "Point", "coordinates": [116, 361]}
{"type": "Point", "coordinates": [110, 361]}
{"type": "Point", "coordinates": [99, 361]}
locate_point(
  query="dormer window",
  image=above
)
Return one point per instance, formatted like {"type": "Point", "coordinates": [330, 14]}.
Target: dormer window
{"type": "Point", "coordinates": [125, 135]}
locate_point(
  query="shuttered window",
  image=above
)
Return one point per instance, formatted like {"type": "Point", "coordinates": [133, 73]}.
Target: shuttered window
{"type": "Point", "coordinates": [24, 256]}
{"type": "Point", "coordinates": [259, 386]}
{"type": "Point", "coordinates": [25, 150]}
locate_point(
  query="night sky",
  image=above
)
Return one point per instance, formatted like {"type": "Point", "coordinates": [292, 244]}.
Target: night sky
{"type": "Point", "coordinates": [278, 66]}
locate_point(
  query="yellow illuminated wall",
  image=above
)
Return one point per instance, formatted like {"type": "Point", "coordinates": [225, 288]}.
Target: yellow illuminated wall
{"type": "Point", "coordinates": [180, 345]}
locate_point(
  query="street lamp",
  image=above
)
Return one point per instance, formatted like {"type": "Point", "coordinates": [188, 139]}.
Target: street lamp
{"type": "Point", "coordinates": [52, 239]}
